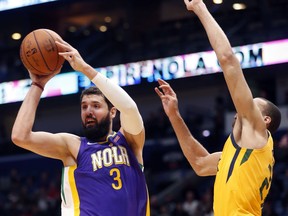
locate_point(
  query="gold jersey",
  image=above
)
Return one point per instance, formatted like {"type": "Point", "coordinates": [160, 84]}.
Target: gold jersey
{"type": "Point", "coordinates": [243, 179]}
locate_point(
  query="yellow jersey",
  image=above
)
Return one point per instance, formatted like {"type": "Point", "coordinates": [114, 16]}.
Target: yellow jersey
{"type": "Point", "coordinates": [243, 179]}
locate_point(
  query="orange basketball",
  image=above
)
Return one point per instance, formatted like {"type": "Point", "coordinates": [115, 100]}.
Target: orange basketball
{"type": "Point", "coordinates": [39, 53]}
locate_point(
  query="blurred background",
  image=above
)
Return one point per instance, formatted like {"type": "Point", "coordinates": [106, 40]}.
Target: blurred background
{"type": "Point", "coordinates": [119, 32]}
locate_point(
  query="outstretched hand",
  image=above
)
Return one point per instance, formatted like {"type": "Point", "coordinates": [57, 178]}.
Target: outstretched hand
{"type": "Point", "coordinates": [168, 97]}
{"type": "Point", "coordinates": [72, 56]}
{"type": "Point", "coordinates": [191, 4]}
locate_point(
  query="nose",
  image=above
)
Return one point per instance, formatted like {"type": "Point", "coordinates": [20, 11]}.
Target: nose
{"type": "Point", "coordinates": [88, 110]}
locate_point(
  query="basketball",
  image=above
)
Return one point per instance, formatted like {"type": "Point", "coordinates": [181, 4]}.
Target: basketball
{"type": "Point", "coordinates": [39, 53]}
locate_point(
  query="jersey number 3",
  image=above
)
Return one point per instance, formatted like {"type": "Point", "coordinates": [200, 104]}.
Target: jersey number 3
{"type": "Point", "coordinates": [117, 185]}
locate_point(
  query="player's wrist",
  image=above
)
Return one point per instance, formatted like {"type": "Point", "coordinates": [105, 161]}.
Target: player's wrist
{"type": "Point", "coordinates": [88, 70]}
{"type": "Point", "coordinates": [38, 85]}
{"type": "Point", "coordinates": [175, 116]}
{"type": "Point", "coordinates": [199, 7]}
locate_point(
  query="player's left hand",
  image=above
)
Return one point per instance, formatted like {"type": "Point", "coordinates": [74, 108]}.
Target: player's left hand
{"type": "Point", "coordinates": [168, 97]}
{"type": "Point", "coordinates": [72, 56]}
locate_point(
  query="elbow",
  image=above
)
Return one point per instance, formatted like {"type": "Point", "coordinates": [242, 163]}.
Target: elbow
{"type": "Point", "coordinates": [199, 171]}
{"type": "Point", "coordinates": [199, 168]}
{"type": "Point", "coordinates": [227, 58]}
{"type": "Point", "coordinates": [18, 138]}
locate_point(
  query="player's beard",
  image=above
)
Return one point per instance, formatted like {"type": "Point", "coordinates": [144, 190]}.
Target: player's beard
{"type": "Point", "coordinates": [99, 130]}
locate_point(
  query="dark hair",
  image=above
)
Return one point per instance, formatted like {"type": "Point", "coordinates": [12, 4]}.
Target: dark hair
{"type": "Point", "coordinates": [93, 90]}
{"type": "Point", "coordinates": [274, 113]}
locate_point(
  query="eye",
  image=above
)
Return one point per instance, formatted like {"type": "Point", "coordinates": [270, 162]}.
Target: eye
{"type": "Point", "coordinates": [97, 106]}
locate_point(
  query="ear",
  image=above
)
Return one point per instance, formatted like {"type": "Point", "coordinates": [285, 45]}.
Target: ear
{"type": "Point", "coordinates": [113, 112]}
{"type": "Point", "coordinates": [267, 120]}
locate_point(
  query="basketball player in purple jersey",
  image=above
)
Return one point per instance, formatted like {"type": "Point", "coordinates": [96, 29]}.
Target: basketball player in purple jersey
{"type": "Point", "coordinates": [103, 171]}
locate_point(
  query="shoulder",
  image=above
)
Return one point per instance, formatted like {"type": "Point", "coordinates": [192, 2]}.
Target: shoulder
{"type": "Point", "coordinates": [68, 137]}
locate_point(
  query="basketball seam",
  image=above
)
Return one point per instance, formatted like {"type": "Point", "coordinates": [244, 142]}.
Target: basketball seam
{"type": "Point", "coordinates": [27, 60]}
{"type": "Point", "coordinates": [56, 49]}
{"type": "Point", "coordinates": [40, 50]}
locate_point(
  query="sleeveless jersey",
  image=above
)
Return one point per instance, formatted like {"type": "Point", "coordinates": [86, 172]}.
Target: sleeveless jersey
{"type": "Point", "coordinates": [243, 179]}
{"type": "Point", "coordinates": [107, 181]}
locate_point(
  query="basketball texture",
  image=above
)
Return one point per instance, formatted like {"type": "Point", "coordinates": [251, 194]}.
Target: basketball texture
{"type": "Point", "coordinates": [39, 53]}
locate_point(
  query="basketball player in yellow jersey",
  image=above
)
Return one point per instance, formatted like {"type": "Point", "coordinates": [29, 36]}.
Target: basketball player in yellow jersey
{"type": "Point", "coordinates": [244, 168]}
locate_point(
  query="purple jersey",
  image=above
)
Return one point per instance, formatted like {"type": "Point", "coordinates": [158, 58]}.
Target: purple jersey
{"type": "Point", "coordinates": [107, 181]}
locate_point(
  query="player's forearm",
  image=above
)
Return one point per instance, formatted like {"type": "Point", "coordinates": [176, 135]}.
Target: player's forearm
{"type": "Point", "coordinates": [230, 65]}
{"type": "Point", "coordinates": [26, 116]}
{"type": "Point", "coordinates": [88, 70]}
{"type": "Point", "coordinates": [191, 148]}
{"type": "Point", "coordinates": [130, 117]}
{"type": "Point", "coordinates": [114, 93]}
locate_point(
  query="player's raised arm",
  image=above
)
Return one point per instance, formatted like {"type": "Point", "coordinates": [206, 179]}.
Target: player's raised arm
{"type": "Point", "coordinates": [202, 162]}
{"type": "Point", "coordinates": [42, 66]}
{"type": "Point", "coordinates": [239, 90]}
